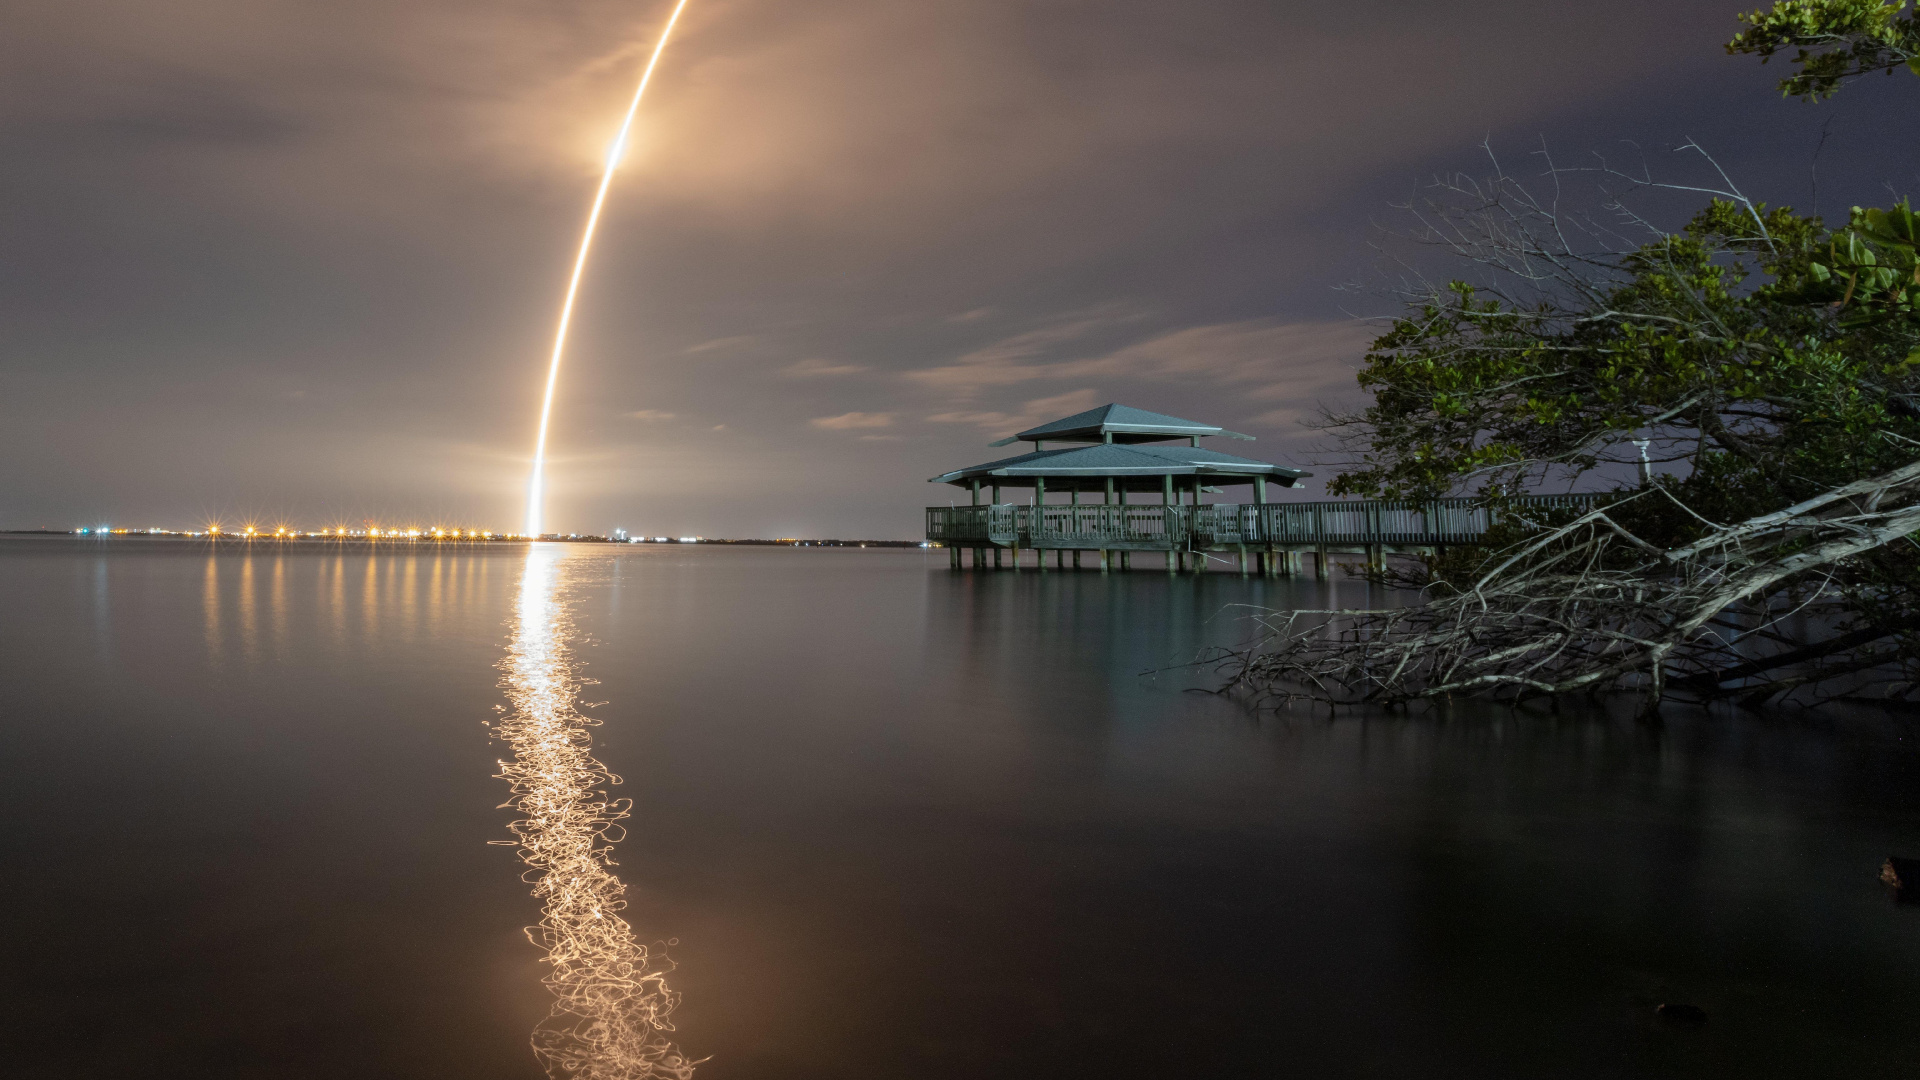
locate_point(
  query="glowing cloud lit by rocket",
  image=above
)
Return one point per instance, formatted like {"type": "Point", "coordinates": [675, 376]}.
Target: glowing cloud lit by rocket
{"type": "Point", "coordinates": [536, 487]}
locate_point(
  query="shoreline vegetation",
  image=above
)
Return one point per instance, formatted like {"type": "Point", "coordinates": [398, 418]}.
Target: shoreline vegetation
{"type": "Point", "coordinates": [1745, 384]}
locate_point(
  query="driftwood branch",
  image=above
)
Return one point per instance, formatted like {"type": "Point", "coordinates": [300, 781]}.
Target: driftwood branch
{"type": "Point", "coordinates": [1589, 605]}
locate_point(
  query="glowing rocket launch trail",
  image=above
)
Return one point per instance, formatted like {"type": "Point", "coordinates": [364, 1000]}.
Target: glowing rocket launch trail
{"type": "Point", "coordinates": [536, 488]}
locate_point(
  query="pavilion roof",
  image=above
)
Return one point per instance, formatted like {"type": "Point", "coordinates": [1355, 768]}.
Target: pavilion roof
{"type": "Point", "coordinates": [1121, 423]}
{"type": "Point", "coordinates": [1103, 460]}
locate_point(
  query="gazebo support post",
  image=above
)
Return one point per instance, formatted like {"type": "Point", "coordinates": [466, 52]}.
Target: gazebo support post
{"type": "Point", "coordinates": [974, 490]}
{"type": "Point", "coordinates": [1111, 525]}
{"type": "Point", "coordinates": [995, 495]}
{"type": "Point", "coordinates": [1265, 554]}
{"type": "Point", "coordinates": [1167, 516]}
{"type": "Point", "coordinates": [1073, 499]}
{"type": "Point", "coordinates": [1039, 523]}
{"type": "Point", "coordinates": [1197, 556]}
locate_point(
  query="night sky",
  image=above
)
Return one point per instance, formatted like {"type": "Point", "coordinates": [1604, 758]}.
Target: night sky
{"type": "Point", "coordinates": [300, 261]}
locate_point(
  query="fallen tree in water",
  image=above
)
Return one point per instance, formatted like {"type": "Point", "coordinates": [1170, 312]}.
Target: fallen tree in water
{"type": "Point", "coordinates": [1748, 611]}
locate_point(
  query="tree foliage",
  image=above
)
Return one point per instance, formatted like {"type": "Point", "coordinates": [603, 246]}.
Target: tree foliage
{"type": "Point", "coordinates": [1835, 40]}
{"type": "Point", "coordinates": [1754, 349]}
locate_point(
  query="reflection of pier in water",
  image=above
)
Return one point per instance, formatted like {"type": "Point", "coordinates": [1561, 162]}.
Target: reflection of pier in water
{"type": "Point", "coordinates": [612, 1005]}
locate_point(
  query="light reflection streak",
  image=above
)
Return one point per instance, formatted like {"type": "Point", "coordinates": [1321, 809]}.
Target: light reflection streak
{"type": "Point", "coordinates": [102, 610]}
{"type": "Point", "coordinates": [409, 596]}
{"type": "Point", "coordinates": [612, 1005]}
{"type": "Point", "coordinates": [370, 599]}
{"type": "Point", "coordinates": [249, 618]}
{"type": "Point", "coordinates": [338, 607]}
{"type": "Point", "coordinates": [210, 604]}
{"type": "Point", "coordinates": [277, 609]}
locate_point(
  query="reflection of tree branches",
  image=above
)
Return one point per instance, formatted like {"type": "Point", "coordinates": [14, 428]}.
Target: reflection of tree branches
{"type": "Point", "coordinates": [1589, 605]}
{"type": "Point", "coordinates": [612, 1002]}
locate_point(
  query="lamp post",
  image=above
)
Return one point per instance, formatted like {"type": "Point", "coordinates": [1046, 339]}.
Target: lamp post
{"type": "Point", "coordinates": [1646, 463]}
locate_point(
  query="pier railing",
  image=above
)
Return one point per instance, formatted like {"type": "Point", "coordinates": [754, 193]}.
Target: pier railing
{"type": "Point", "coordinates": [1340, 523]}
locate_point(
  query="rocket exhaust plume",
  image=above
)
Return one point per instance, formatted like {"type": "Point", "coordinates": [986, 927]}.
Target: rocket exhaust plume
{"type": "Point", "coordinates": [536, 488]}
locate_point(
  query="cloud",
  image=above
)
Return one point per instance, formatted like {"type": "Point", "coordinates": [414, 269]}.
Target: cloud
{"type": "Point", "coordinates": [815, 368]}
{"type": "Point", "coordinates": [1033, 413]}
{"type": "Point", "coordinates": [1014, 359]}
{"type": "Point", "coordinates": [1270, 358]}
{"type": "Point", "coordinates": [1262, 358]}
{"type": "Point", "coordinates": [733, 342]}
{"type": "Point", "coordinates": [650, 415]}
{"type": "Point", "coordinates": [853, 420]}
{"type": "Point", "coordinates": [1264, 376]}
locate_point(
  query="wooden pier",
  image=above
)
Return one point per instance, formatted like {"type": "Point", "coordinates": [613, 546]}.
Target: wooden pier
{"type": "Point", "coordinates": [1271, 539]}
{"type": "Point", "coordinates": [1101, 480]}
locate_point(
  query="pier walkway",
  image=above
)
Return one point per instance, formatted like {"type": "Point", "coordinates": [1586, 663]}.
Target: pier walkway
{"type": "Point", "coordinates": [1265, 538]}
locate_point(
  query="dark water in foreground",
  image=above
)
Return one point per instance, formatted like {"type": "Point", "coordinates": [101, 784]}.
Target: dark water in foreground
{"type": "Point", "coordinates": [903, 823]}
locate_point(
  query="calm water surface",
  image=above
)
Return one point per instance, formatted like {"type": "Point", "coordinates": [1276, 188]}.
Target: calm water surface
{"type": "Point", "coordinates": [897, 822]}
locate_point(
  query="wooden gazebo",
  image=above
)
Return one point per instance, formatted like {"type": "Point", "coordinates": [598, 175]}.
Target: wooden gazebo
{"type": "Point", "coordinates": [1082, 493]}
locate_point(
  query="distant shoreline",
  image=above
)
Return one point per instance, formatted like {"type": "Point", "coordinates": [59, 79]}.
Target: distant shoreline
{"type": "Point", "coordinates": [419, 541]}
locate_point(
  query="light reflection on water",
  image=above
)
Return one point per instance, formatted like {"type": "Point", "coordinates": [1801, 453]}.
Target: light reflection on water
{"type": "Point", "coordinates": [249, 613]}
{"type": "Point", "coordinates": [210, 609]}
{"type": "Point", "coordinates": [249, 608]}
{"type": "Point", "coordinates": [612, 1004]}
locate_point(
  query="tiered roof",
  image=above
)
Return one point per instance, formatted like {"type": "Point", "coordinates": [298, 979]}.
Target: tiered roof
{"type": "Point", "coordinates": [1118, 433]}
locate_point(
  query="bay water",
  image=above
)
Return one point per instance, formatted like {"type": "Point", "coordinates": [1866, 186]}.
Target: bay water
{"type": "Point", "coordinates": [889, 820]}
